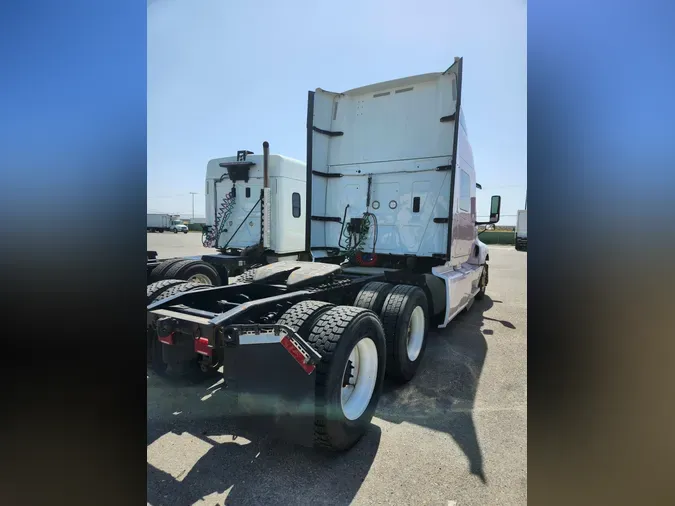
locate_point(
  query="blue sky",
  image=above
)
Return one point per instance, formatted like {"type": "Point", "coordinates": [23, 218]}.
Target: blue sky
{"type": "Point", "coordinates": [225, 75]}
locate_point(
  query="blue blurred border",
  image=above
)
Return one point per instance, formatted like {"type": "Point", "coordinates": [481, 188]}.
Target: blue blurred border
{"type": "Point", "coordinates": [73, 197]}
{"type": "Point", "coordinates": [73, 125]}
{"type": "Point", "coordinates": [600, 249]}
{"type": "Point", "coordinates": [73, 160]}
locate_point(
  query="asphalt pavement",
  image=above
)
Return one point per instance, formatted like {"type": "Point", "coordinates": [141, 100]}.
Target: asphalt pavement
{"type": "Point", "coordinates": [455, 435]}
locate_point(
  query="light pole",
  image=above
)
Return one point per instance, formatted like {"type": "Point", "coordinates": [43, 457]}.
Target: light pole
{"type": "Point", "coordinates": [193, 205]}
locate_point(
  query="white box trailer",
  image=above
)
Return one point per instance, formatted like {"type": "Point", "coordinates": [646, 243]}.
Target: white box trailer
{"type": "Point", "coordinates": [159, 222]}
{"type": "Point", "coordinates": [391, 249]}
{"type": "Point", "coordinates": [521, 230]}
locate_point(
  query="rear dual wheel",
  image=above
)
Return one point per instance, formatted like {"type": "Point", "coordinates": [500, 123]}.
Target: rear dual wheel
{"type": "Point", "coordinates": [351, 371]}
{"type": "Point", "coordinates": [196, 271]}
{"type": "Point", "coordinates": [405, 318]}
{"type": "Point", "coordinates": [403, 310]}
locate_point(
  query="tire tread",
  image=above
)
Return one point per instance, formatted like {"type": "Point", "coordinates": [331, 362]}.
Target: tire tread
{"type": "Point", "coordinates": [373, 295]}
{"type": "Point", "coordinates": [181, 288]}
{"type": "Point", "coordinates": [390, 314]}
{"type": "Point", "coordinates": [158, 273]}
{"type": "Point", "coordinates": [181, 273]}
{"type": "Point", "coordinates": [155, 289]}
{"type": "Point", "coordinates": [301, 316]}
{"type": "Point", "coordinates": [172, 271]}
{"type": "Point", "coordinates": [324, 338]}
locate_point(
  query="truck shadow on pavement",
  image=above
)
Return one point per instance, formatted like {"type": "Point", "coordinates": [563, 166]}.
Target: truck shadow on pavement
{"type": "Point", "coordinates": [442, 394]}
{"type": "Point", "coordinates": [198, 454]}
{"type": "Point", "coordinates": [193, 457]}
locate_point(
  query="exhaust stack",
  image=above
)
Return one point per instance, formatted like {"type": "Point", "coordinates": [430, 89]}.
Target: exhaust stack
{"type": "Point", "coordinates": [266, 204]}
{"type": "Point", "coordinates": [266, 157]}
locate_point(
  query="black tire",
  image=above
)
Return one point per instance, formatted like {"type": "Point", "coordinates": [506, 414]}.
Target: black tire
{"type": "Point", "coordinates": [373, 295]}
{"type": "Point", "coordinates": [482, 283]}
{"type": "Point", "coordinates": [158, 272]}
{"type": "Point", "coordinates": [396, 317]}
{"type": "Point", "coordinates": [302, 316]}
{"type": "Point", "coordinates": [185, 231]}
{"type": "Point", "coordinates": [246, 277]}
{"type": "Point", "coordinates": [334, 335]}
{"type": "Point", "coordinates": [181, 288]}
{"type": "Point", "coordinates": [157, 288]}
{"type": "Point", "coordinates": [194, 267]}
{"type": "Point", "coordinates": [175, 230]}
{"type": "Point", "coordinates": [173, 270]}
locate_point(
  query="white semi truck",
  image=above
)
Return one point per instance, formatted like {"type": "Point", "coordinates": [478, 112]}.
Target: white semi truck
{"type": "Point", "coordinates": [235, 190]}
{"type": "Point", "coordinates": [390, 249]}
{"type": "Point", "coordinates": [521, 230]}
{"type": "Point", "coordinates": [255, 214]}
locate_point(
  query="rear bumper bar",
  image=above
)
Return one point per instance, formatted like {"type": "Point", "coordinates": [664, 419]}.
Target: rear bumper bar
{"type": "Point", "coordinates": [173, 327]}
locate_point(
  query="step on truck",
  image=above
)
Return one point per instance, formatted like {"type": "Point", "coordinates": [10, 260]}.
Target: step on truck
{"type": "Point", "coordinates": [392, 246]}
{"type": "Point", "coordinates": [241, 190]}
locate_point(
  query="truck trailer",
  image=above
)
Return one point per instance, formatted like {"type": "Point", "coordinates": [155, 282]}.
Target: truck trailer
{"type": "Point", "coordinates": [159, 222]}
{"type": "Point", "coordinates": [390, 249]}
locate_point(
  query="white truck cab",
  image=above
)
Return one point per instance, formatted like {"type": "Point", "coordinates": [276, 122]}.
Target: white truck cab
{"type": "Point", "coordinates": [178, 226]}
{"type": "Point", "coordinates": [251, 202]}
{"type": "Point", "coordinates": [396, 155]}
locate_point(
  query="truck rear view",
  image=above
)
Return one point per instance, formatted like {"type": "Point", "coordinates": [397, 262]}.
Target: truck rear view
{"type": "Point", "coordinates": [390, 228]}
{"type": "Point", "coordinates": [393, 181]}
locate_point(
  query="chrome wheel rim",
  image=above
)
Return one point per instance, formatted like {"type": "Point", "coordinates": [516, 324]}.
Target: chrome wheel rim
{"type": "Point", "coordinates": [359, 378]}
{"type": "Point", "coordinates": [200, 278]}
{"type": "Point", "coordinates": [415, 333]}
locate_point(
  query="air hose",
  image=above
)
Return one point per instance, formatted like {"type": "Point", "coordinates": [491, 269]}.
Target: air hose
{"type": "Point", "coordinates": [356, 239]}
{"type": "Point", "coordinates": [211, 235]}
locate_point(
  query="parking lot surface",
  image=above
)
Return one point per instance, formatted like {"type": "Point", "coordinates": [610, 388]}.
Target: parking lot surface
{"type": "Point", "coordinates": [455, 435]}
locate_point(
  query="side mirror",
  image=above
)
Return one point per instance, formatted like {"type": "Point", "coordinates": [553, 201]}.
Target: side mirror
{"type": "Point", "coordinates": [495, 207]}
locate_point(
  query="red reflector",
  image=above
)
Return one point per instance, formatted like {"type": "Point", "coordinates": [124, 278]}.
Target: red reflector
{"type": "Point", "coordinates": [202, 346]}
{"type": "Point", "coordinates": [166, 339]}
{"type": "Point", "coordinates": [297, 354]}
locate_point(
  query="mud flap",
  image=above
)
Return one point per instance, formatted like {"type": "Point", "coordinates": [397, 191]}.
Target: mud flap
{"type": "Point", "coordinates": [271, 391]}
